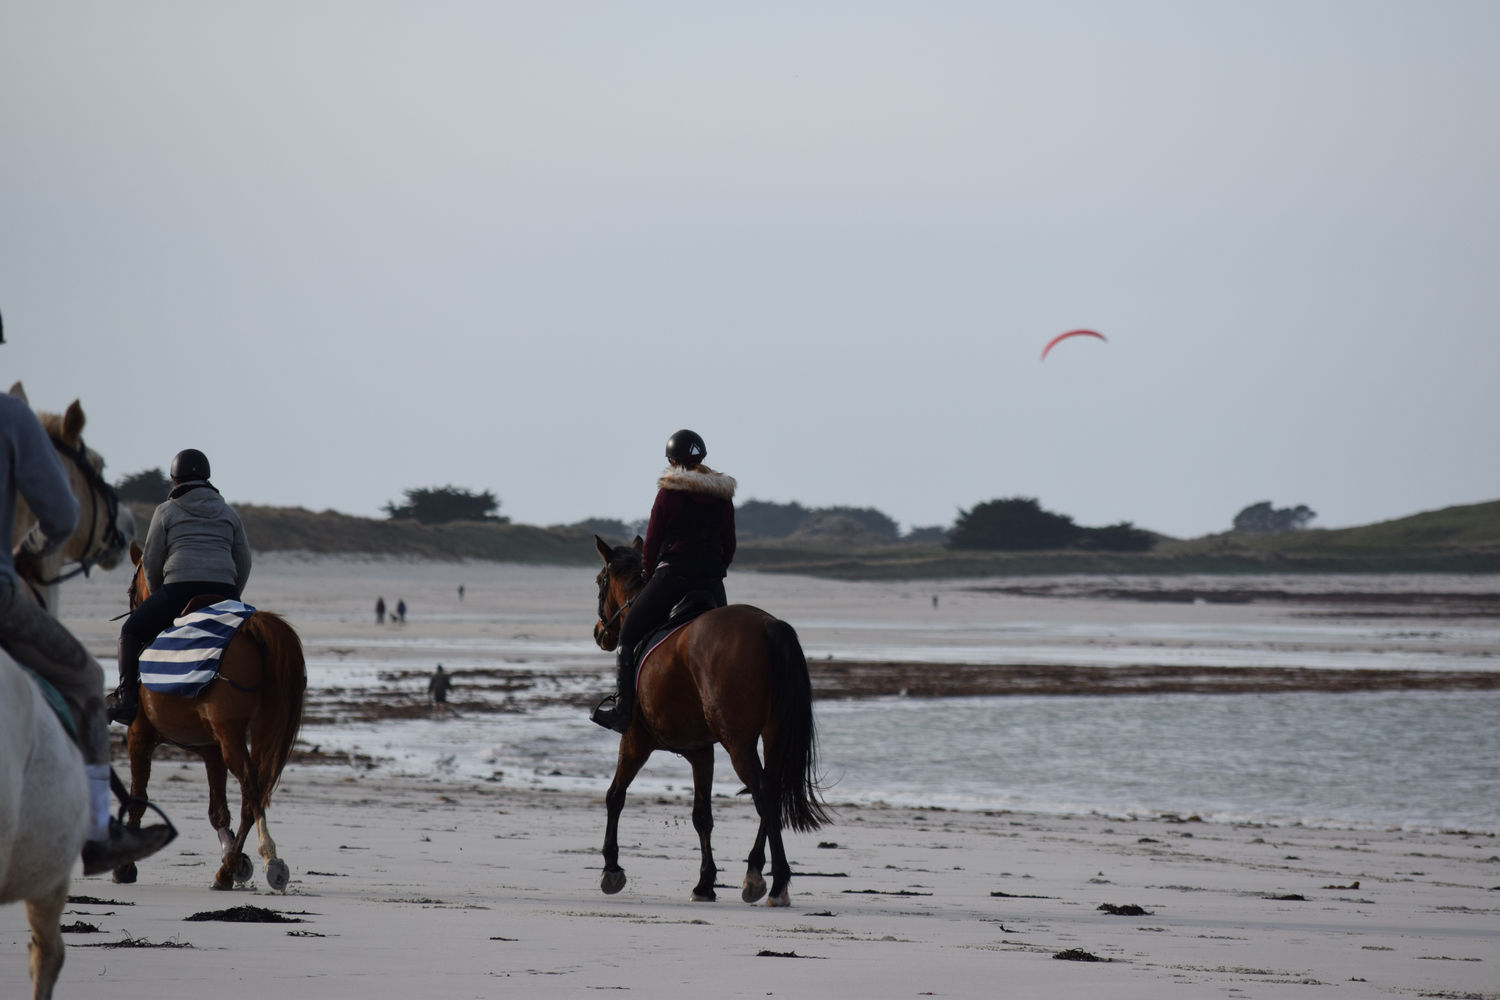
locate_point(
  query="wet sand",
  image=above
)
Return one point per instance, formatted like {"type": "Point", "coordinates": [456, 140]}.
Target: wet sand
{"type": "Point", "coordinates": [457, 888]}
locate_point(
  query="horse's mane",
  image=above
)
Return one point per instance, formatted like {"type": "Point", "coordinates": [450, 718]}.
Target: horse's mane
{"type": "Point", "coordinates": [55, 424]}
{"type": "Point", "coordinates": [52, 423]}
{"type": "Point", "coordinates": [625, 560]}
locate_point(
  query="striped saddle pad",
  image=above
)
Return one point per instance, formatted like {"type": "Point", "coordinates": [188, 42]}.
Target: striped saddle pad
{"type": "Point", "coordinates": [185, 657]}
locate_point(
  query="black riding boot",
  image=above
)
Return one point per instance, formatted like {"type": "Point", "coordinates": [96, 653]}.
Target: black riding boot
{"type": "Point", "coordinates": [618, 710]}
{"type": "Point", "coordinates": [126, 699]}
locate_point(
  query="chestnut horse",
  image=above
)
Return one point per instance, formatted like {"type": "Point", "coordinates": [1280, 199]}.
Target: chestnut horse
{"type": "Point", "coordinates": [258, 695]}
{"type": "Point", "coordinates": [733, 676]}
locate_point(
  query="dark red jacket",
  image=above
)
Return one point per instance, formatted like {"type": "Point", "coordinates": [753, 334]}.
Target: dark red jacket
{"type": "Point", "coordinates": [692, 524]}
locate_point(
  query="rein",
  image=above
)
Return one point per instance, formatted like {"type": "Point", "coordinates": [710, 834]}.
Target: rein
{"type": "Point", "coordinates": [114, 540]}
{"type": "Point", "coordinates": [606, 623]}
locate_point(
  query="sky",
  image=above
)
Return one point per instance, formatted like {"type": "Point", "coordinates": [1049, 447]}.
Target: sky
{"type": "Point", "coordinates": [351, 249]}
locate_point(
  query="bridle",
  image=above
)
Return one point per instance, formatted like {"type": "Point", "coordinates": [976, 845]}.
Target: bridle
{"type": "Point", "coordinates": [100, 492]}
{"type": "Point", "coordinates": [606, 622]}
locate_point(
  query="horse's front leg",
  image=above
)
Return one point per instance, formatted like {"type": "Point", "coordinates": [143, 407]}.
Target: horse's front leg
{"type": "Point", "coordinates": [140, 740]}
{"type": "Point", "coordinates": [634, 749]}
{"type": "Point", "coordinates": [703, 821]}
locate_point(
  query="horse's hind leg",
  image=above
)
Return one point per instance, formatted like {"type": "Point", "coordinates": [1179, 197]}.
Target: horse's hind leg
{"type": "Point", "coordinates": [277, 874]}
{"type": "Point", "coordinates": [770, 821]}
{"type": "Point", "coordinates": [237, 759]}
{"type": "Point", "coordinates": [703, 821]}
{"type": "Point", "coordinates": [747, 766]}
{"type": "Point", "coordinates": [754, 886]}
{"type": "Point", "coordinates": [44, 913]}
{"type": "Point", "coordinates": [218, 799]}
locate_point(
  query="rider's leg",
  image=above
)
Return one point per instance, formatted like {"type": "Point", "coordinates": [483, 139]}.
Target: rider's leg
{"type": "Point", "coordinates": [39, 641]}
{"type": "Point", "coordinates": [650, 609]}
{"type": "Point", "coordinates": [149, 618]}
{"type": "Point", "coordinates": [126, 698]}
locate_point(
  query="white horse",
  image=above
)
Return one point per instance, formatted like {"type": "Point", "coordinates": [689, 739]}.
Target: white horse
{"type": "Point", "coordinates": [105, 526]}
{"type": "Point", "coordinates": [44, 816]}
{"type": "Point", "coordinates": [44, 795]}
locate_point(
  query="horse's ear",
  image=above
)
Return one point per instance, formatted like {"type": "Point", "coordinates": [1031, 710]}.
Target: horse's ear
{"type": "Point", "coordinates": [603, 548]}
{"type": "Point", "coordinates": [20, 393]}
{"type": "Point", "coordinates": [73, 424]}
{"type": "Point", "coordinates": [136, 552]}
{"type": "Point", "coordinates": [637, 544]}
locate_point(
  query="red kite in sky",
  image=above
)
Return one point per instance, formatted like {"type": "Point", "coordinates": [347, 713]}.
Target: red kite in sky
{"type": "Point", "coordinates": [1065, 336]}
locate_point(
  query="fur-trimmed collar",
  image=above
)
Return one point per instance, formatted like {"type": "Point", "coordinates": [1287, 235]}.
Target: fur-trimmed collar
{"type": "Point", "coordinates": [700, 480]}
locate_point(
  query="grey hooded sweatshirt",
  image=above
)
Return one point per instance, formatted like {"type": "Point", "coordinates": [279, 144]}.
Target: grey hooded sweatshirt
{"type": "Point", "coordinates": [195, 537]}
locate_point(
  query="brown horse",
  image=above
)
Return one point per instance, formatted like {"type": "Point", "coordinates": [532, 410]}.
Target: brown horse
{"type": "Point", "coordinates": [258, 695]}
{"type": "Point", "coordinates": [734, 676]}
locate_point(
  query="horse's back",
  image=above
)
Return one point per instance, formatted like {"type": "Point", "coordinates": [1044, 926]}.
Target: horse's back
{"type": "Point", "coordinates": [43, 792]}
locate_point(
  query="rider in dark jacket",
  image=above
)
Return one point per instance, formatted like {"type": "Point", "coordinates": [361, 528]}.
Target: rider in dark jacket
{"type": "Point", "coordinates": [689, 545]}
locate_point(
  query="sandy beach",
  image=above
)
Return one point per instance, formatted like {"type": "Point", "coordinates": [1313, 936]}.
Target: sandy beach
{"type": "Point", "coordinates": [445, 886]}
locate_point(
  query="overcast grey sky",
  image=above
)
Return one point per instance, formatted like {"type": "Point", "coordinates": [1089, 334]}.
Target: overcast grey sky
{"type": "Point", "coordinates": [352, 248]}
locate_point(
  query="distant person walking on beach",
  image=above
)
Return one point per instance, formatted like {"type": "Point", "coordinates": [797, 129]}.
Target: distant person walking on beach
{"type": "Point", "coordinates": [437, 690]}
{"type": "Point", "coordinates": [460, 591]}
{"type": "Point", "coordinates": [401, 611]}
{"type": "Point", "coordinates": [380, 611]}
{"type": "Point", "coordinates": [689, 544]}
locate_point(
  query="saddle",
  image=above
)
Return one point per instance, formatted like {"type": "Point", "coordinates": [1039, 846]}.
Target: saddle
{"type": "Point", "coordinates": [692, 604]}
{"type": "Point", "coordinates": [54, 700]}
{"type": "Point", "coordinates": [185, 657]}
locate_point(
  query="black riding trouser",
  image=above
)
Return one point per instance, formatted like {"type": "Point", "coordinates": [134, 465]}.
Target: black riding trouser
{"type": "Point", "coordinates": [652, 605]}
{"type": "Point", "coordinates": [157, 611]}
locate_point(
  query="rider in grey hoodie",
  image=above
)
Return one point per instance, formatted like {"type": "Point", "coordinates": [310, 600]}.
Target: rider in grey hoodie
{"type": "Point", "coordinates": [196, 545]}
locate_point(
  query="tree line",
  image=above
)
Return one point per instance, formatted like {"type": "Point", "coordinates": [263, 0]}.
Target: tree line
{"type": "Point", "coordinates": [1009, 524]}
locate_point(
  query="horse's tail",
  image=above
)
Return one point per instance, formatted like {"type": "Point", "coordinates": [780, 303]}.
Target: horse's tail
{"type": "Point", "coordinates": [283, 691]}
{"type": "Point", "coordinates": [792, 759]}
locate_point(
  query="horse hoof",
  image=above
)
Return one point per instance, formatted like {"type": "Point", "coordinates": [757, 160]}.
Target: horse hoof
{"type": "Point", "coordinates": [704, 897]}
{"type": "Point", "coordinates": [222, 883]}
{"type": "Point", "coordinates": [125, 874]}
{"type": "Point", "coordinates": [781, 899]}
{"type": "Point", "coordinates": [244, 868]}
{"type": "Point", "coordinates": [753, 889]}
{"type": "Point", "coordinates": [277, 874]}
{"type": "Point", "coordinates": [613, 881]}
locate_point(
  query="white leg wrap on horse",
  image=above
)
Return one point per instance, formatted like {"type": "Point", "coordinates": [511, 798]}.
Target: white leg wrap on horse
{"type": "Point", "coordinates": [98, 800]}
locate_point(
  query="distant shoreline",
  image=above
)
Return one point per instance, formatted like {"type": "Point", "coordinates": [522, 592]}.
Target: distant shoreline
{"type": "Point", "coordinates": [1456, 540]}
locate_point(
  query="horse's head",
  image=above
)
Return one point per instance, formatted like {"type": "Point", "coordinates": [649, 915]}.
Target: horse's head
{"type": "Point", "coordinates": [619, 581]}
{"type": "Point", "coordinates": [137, 590]}
{"type": "Point", "coordinates": [105, 526]}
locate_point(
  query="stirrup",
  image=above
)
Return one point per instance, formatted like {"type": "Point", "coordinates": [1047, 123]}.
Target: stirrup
{"type": "Point", "coordinates": [121, 708]}
{"type": "Point", "coordinates": [609, 714]}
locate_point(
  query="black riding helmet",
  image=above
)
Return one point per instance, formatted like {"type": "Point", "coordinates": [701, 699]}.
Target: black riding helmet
{"type": "Point", "coordinates": [189, 464]}
{"type": "Point", "coordinates": [686, 448]}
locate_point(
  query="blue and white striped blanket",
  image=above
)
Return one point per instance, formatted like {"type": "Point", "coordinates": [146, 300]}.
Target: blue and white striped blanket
{"type": "Point", "coordinates": [185, 657]}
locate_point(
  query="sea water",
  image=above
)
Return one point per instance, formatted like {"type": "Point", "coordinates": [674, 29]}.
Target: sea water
{"type": "Point", "coordinates": [1419, 760]}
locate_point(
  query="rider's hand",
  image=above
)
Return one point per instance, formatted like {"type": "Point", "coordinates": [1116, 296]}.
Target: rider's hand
{"type": "Point", "coordinates": [28, 567]}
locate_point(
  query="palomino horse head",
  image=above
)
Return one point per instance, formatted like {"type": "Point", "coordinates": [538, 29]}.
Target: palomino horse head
{"type": "Point", "coordinates": [105, 526]}
{"type": "Point", "coordinates": [619, 581]}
